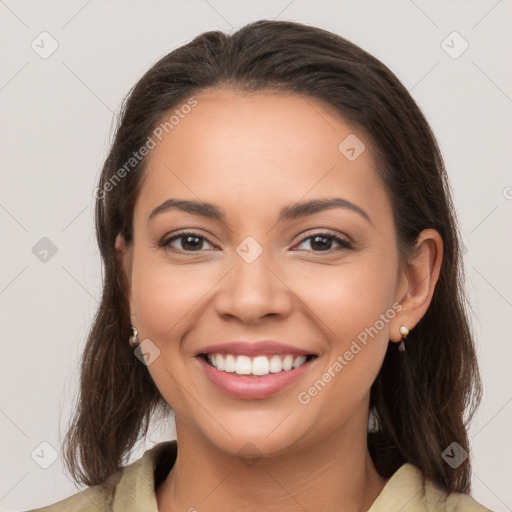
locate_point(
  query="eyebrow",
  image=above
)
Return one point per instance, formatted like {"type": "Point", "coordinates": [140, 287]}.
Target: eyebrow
{"type": "Point", "coordinates": [288, 213]}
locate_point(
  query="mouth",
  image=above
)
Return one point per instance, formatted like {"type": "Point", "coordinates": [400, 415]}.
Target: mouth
{"type": "Point", "coordinates": [254, 377]}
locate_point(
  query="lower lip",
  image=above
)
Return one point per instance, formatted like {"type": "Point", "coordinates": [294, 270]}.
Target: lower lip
{"type": "Point", "coordinates": [253, 387]}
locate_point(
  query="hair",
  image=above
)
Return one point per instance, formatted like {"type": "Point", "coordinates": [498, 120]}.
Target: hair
{"type": "Point", "coordinates": [422, 399]}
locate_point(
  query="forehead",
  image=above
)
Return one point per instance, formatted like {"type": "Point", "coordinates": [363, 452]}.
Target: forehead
{"type": "Point", "coordinates": [261, 148]}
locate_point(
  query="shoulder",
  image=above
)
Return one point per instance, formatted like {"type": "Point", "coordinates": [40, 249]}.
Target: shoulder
{"type": "Point", "coordinates": [438, 499]}
{"type": "Point", "coordinates": [131, 488]}
{"type": "Point", "coordinates": [408, 491]}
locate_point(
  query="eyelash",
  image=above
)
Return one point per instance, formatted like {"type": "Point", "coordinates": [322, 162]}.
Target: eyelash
{"type": "Point", "coordinates": [344, 243]}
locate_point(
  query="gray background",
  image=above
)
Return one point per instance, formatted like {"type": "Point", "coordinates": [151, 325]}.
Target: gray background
{"type": "Point", "coordinates": [56, 120]}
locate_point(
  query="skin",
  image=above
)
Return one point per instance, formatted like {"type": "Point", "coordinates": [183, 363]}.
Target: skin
{"type": "Point", "coordinates": [251, 155]}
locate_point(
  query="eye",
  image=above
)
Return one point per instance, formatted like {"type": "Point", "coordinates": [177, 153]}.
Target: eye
{"type": "Point", "coordinates": [188, 242]}
{"type": "Point", "coordinates": [193, 242]}
{"type": "Point", "coordinates": [322, 242]}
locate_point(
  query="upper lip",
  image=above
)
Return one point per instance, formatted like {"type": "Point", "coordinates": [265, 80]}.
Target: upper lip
{"type": "Point", "coordinates": [255, 348]}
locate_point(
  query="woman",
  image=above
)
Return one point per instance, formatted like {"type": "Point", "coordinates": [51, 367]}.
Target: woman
{"type": "Point", "coordinates": [282, 273]}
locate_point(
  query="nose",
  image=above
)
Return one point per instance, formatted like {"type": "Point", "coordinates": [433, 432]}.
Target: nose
{"type": "Point", "coordinates": [252, 291]}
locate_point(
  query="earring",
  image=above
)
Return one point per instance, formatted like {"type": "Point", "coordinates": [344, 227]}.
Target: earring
{"type": "Point", "coordinates": [134, 338]}
{"type": "Point", "coordinates": [404, 332]}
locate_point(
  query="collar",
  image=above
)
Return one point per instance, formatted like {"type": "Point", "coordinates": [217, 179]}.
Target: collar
{"type": "Point", "coordinates": [135, 489]}
{"type": "Point", "coordinates": [407, 490]}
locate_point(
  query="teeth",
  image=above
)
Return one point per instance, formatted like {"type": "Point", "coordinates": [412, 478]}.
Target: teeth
{"type": "Point", "coordinates": [288, 362]}
{"type": "Point", "coordinates": [299, 361]}
{"type": "Point", "coordinates": [243, 365]}
{"type": "Point", "coordinates": [259, 365]}
{"type": "Point", "coordinates": [229, 363]}
{"type": "Point", "coordinates": [276, 364]}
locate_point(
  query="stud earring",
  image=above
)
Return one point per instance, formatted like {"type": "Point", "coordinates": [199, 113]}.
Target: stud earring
{"type": "Point", "coordinates": [134, 338]}
{"type": "Point", "coordinates": [404, 332]}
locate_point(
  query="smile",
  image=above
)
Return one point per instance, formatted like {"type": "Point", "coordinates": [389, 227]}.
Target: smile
{"type": "Point", "coordinates": [259, 365]}
{"type": "Point", "coordinates": [254, 377]}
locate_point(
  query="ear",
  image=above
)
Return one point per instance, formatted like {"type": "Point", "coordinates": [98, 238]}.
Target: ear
{"type": "Point", "coordinates": [125, 255]}
{"type": "Point", "coordinates": [419, 277]}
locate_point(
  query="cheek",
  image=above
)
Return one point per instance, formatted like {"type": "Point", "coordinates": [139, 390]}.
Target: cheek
{"type": "Point", "coordinates": [166, 296]}
{"type": "Point", "coordinates": [345, 300]}
{"type": "Point", "coordinates": [162, 295]}
{"type": "Point", "coordinates": [353, 307]}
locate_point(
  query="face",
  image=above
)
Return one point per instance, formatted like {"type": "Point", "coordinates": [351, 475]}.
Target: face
{"type": "Point", "coordinates": [323, 281]}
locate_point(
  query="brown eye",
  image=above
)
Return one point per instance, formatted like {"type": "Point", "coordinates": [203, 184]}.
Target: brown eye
{"type": "Point", "coordinates": [186, 242]}
{"type": "Point", "coordinates": [323, 242]}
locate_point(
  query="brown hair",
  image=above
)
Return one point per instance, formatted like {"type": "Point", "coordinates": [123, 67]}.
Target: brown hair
{"type": "Point", "coordinates": [422, 399]}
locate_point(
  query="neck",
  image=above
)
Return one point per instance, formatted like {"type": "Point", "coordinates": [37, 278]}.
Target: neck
{"type": "Point", "coordinates": [335, 472]}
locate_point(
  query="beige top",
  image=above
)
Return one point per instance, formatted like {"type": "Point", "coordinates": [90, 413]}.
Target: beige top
{"type": "Point", "coordinates": [132, 489]}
